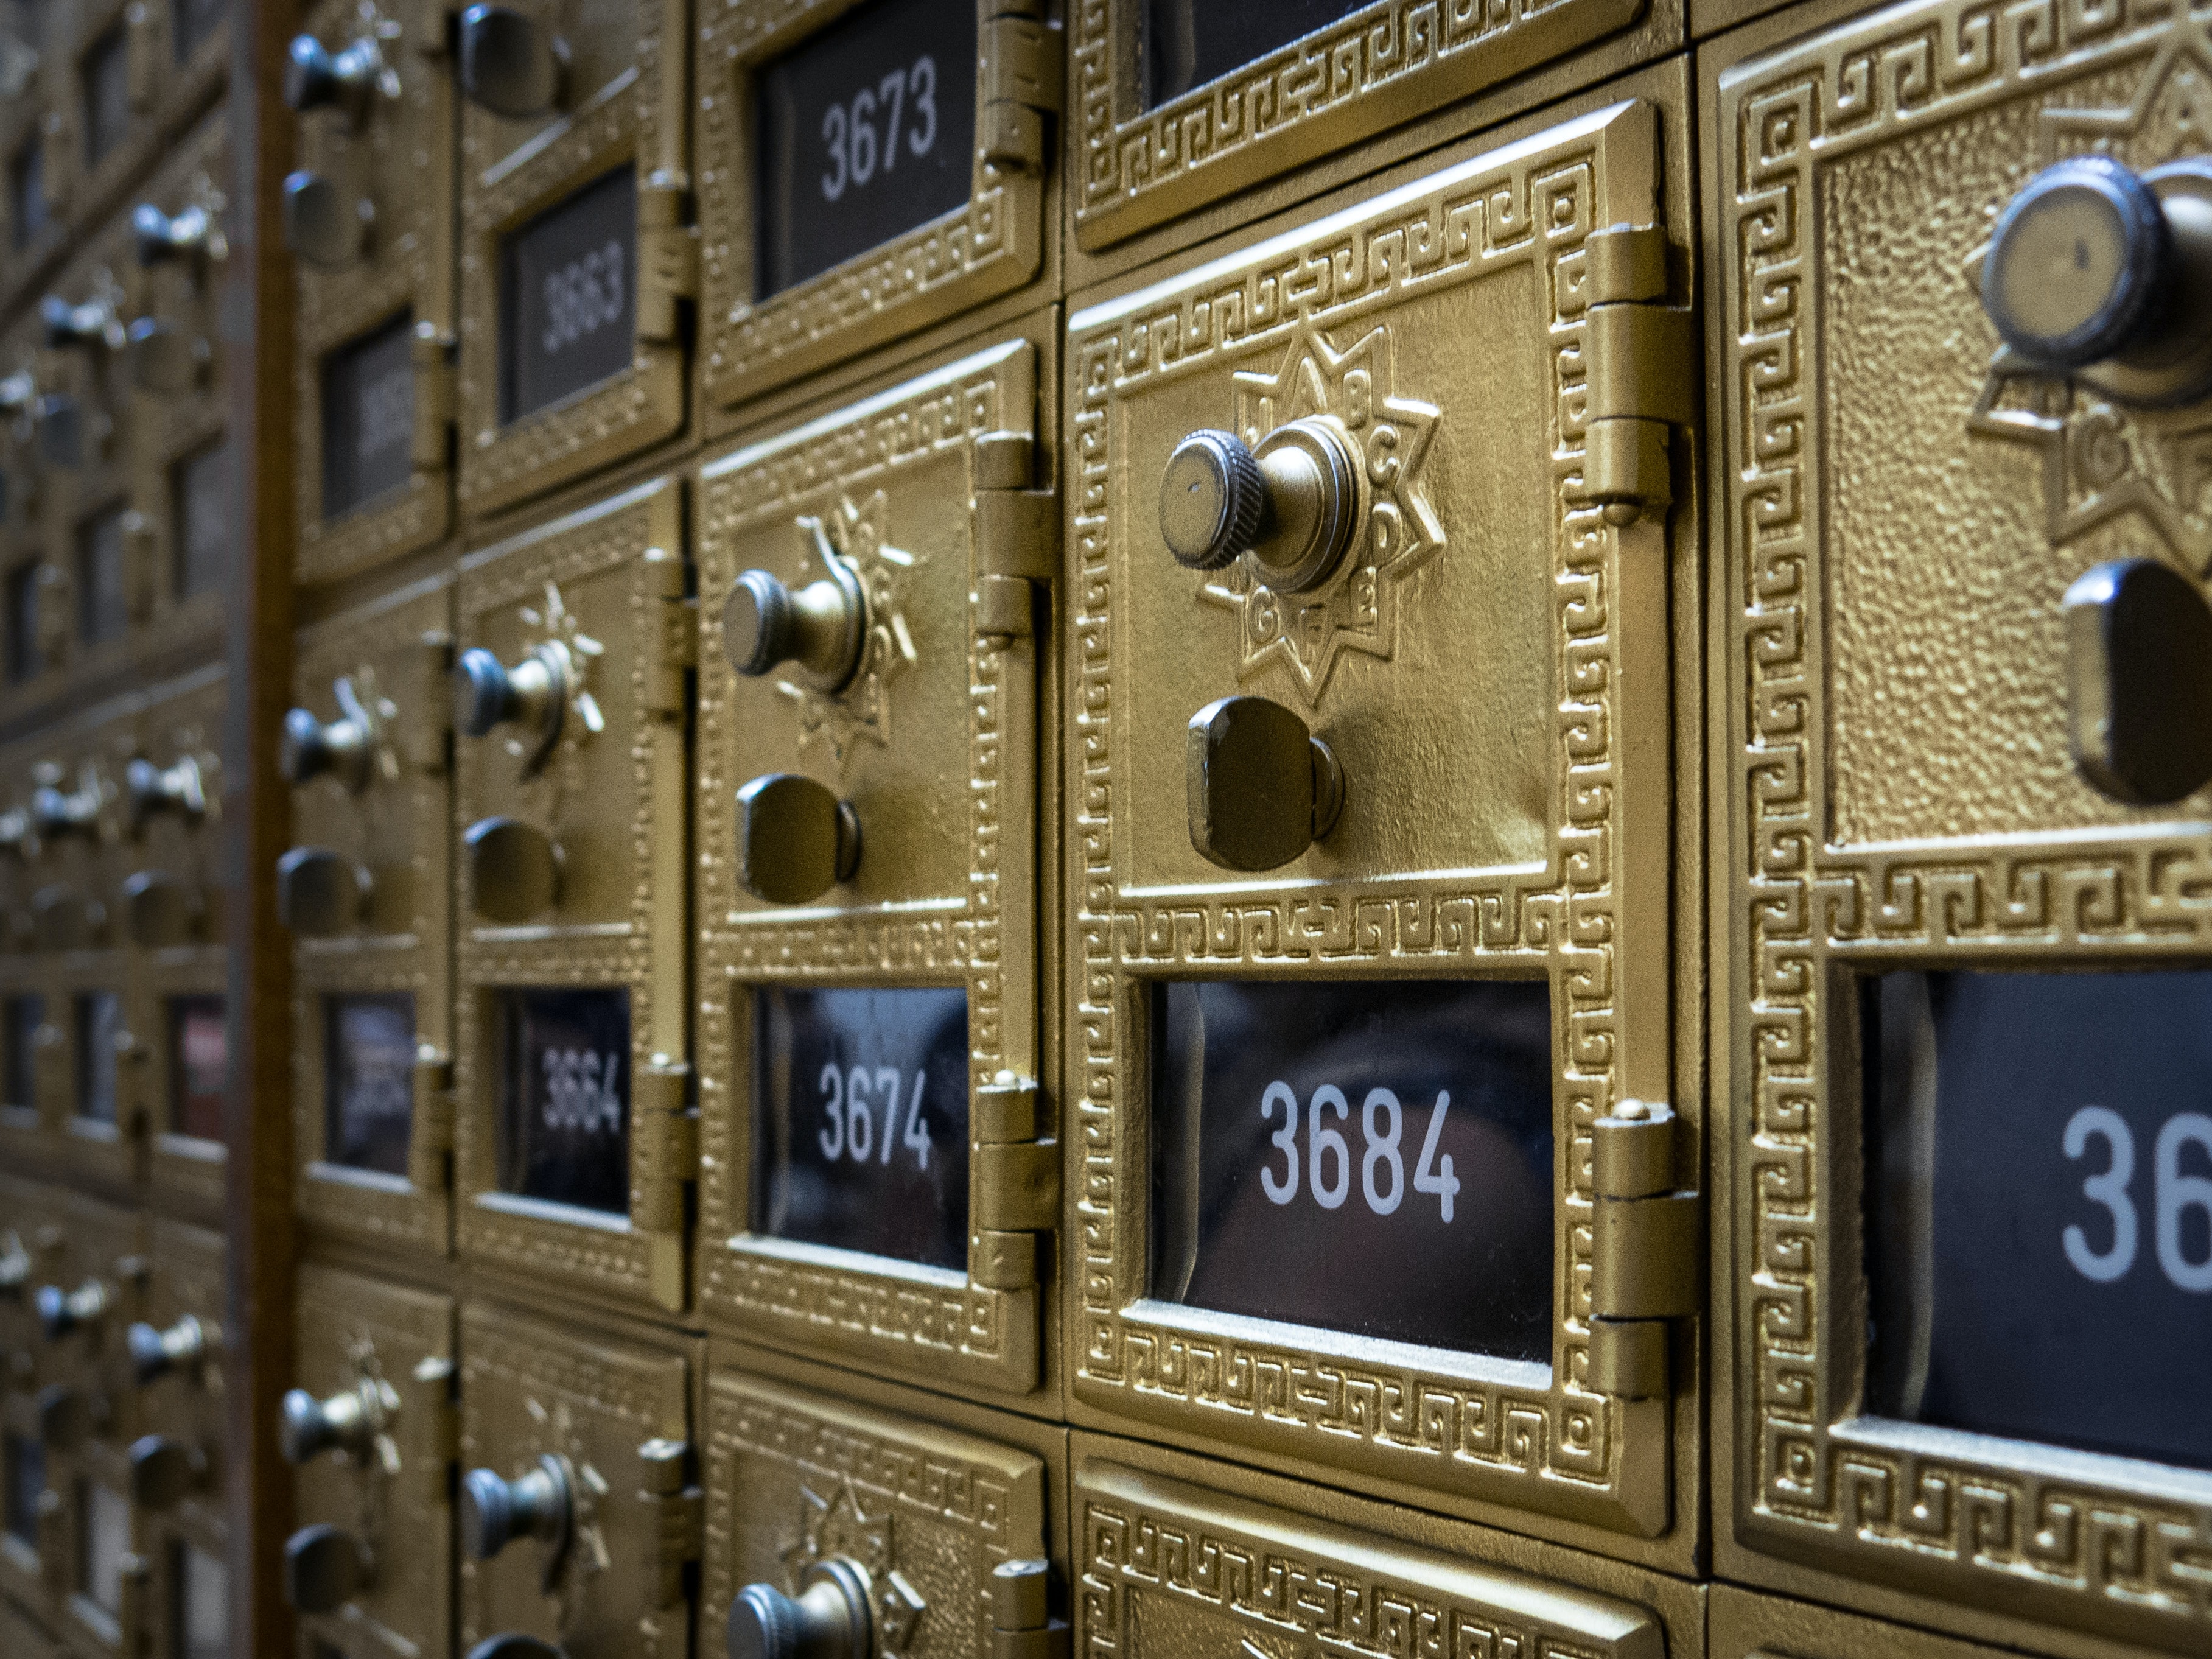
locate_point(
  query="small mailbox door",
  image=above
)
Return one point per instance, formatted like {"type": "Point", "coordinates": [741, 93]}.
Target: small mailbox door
{"type": "Point", "coordinates": [176, 1464]}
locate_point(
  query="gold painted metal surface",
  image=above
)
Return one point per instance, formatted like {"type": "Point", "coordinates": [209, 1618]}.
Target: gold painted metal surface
{"type": "Point", "coordinates": [1891, 746]}
{"type": "Point", "coordinates": [1746, 1625]}
{"type": "Point", "coordinates": [388, 824]}
{"type": "Point", "coordinates": [936, 493]}
{"type": "Point", "coordinates": [1502, 602]}
{"type": "Point", "coordinates": [119, 85]}
{"type": "Point", "coordinates": [30, 130]}
{"type": "Point", "coordinates": [624, 106]}
{"type": "Point", "coordinates": [995, 244]}
{"type": "Point", "coordinates": [607, 587]}
{"type": "Point", "coordinates": [177, 1464]}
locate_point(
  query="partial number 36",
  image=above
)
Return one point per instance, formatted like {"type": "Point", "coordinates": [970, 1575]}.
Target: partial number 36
{"type": "Point", "coordinates": [2173, 1195]}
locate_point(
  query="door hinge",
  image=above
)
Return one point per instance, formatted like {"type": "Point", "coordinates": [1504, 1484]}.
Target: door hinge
{"type": "Point", "coordinates": [423, 731]}
{"type": "Point", "coordinates": [663, 1148]}
{"type": "Point", "coordinates": [1641, 368]}
{"type": "Point", "coordinates": [134, 1573]}
{"type": "Point", "coordinates": [676, 1531]}
{"type": "Point", "coordinates": [433, 358]}
{"type": "Point", "coordinates": [1021, 1625]}
{"type": "Point", "coordinates": [672, 639]}
{"type": "Point", "coordinates": [1017, 535]}
{"type": "Point", "coordinates": [428, 1168]}
{"type": "Point", "coordinates": [430, 1419]}
{"type": "Point", "coordinates": [1024, 82]}
{"type": "Point", "coordinates": [1015, 1185]}
{"type": "Point", "coordinates": [1647, 1249]}
{"type": "Point", "coordinates": [142, 568]}
{"type": "Point", "coordinates": [667, 257]}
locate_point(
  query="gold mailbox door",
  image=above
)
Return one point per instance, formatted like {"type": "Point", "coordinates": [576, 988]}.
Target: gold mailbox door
{"type": "Point", "coordinates": [170, 910]}
{"type": "Point", "coordinates": [1967, 822]}
{"type": "Point", "coordinates": [802, 1485]}
{"type": "Point", "coordinates": [124, 76]}
{"type": "Point", "coordinates": [1747, 1626]}
{"type": "Point", "coordinates": [33, 216]}
{"type": "Point", "coordinates": [599, 1424]}
{"type": "Point", "coordinates": [367, 891]}
{"type": "Point", "coordinates": [896, 932]}
{"type": "Point", "coordinates": [174, 1355]}
{"type": "Point", "coordinates": [1380, 792]}
{"type": "Point", "coordinates": [574, 256]}
{"type": "Point", "coordinates": [369, 221]}
{"type": "Point", "coordinates": [371, 1567]}
{"type": "Point", "coordinates": [35, 643]}
{"type": "Point", "coordinates": [573, 1136]}
{"type": "Point", "coordinates": [772, 311]}
{"type": "Point", "coordinates": [29, 1128]}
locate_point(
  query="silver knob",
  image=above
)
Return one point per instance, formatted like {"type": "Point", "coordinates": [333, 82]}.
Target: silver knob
{"type": "Point", "coordinates": [828, 1618]}
{"type": "Point", "coordinates": [310, 748]}
{"type": "Point", "coordinates": [148, 789]}
{"type": "Point", "coordinates": [496, 1512]}
{"type": "Point", "coordinates": [156, 1354]}
{"type": "Point", "coordinates": [512, 65]}
{"type": "Point", "coordinates": [348, 1422]}
{"type": "Point", "coordinates": [316, 77]}
{"type": "Point", "coordinates": [1295, 502]}
{"type": "Point", "coordinates": [822, 629]}
{"type": "Point", "coordinates": [93, 324]}
{"type": "Point", "coordinates": [62, 1313]}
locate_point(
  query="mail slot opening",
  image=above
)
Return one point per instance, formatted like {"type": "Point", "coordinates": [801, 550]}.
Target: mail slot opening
{"type": "Point", "coordinates": [1185, 43]}
{"type": "Point", "coordinates": [1373, 1158]}
{"type": "Point", "coordinates": [368, 1081]}
{"type": "Point", "coordinates": [200, 1065]}
{"type": "Point", "coordinates": [103, 607]}
{"type": "Point", "coordinates": [21, 1017]}
{"type": "Point", "coordinates": [568, 296]}
{"type": "Point", "coordinates": [861, 1115]}
{"type": "Point", "coordinates": [103, 1544]}
{"type": "Point", "coordinates": [862, 132]}
{"type": "Point", "coordinates": [199, 1610]}
{"type": "Point", "coordinates": [368, 416]}
{"type": "Point", "coordinates": [26, 1477]}
{"type": "Point", "coordinates": [563, 1088]}
{"type": "Point", "coordinates": [2039, 1205]}
{"type": "Point", "coordinates": [98, 1023]}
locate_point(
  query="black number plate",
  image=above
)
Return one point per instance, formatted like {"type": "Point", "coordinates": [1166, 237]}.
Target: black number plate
{"type": "Point", "coordinates": [1373, 1158]}
{"type": "Point", "coordinates": [207, 508]}
{"type": "Point", "coordinates": [25, 658]}
{"type": "Point", "coordinates": [98, 1018]}
{"type": "Point", "coordinates": [201, 1615]}
{"type": "Point", "coordinates": [2040, 1205]}
{"type": "Point", "coordinates": [24, 1014]}
{"type": "Point", "coordinates": [103, 609]}
{"type": "Point", "coordinates": [564, 1097]}
{"type": "Point", "coordinates": [25, 1484]}
{"type": "Point", "coordinates": [27, 194]}
{"type": "Point", "coordinates": [1186, 43]}
{"type": "Point", "coordinates": [200, 1066]}
{"type": "Point", "coordinates": [106, 95]}
{"type": "Point", "coordinates": [568, 297]}
{"type": "Point", "coordinates": [192, 22]}
{"type": "Point", "coordinates": [861, 1115]}
{"type": "Point", "coordinates": [368, 416]}
{"type": "Point", "coordinates": [368, 1081]}
{"type": "Point", "coordinates": [863, 132]}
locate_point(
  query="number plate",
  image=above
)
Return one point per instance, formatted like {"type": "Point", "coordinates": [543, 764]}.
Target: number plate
{"type": "Point", "coordinates": [368, 1081]}
{"type": "Point", "coordinates": [99, 1017]}
{"type": "Point", "coordinates": [25, 660]}
{"type": "Point", "coordinates": [860, 1108]}
{"type": "Point", "coordinates": [201, 1616]}
{"type": "Point", "coordinates": [568, 299]}
{"type": "Point", "coordinates": [368, 416]}
{"type": "Point", "coordinates": [1312, 1142]}
{"type": "Point", "coordinates": [205, 496]}
{"type": "Point", "coordinates": [564, 1118]}
{"type": "Point", "coordinates": [19, 1032]}
{"type": "Point", "coordinates": [103, 609]}
{"type": "Point", "coordinates": [1184, 44]}
{"type": "Point", "coordinates": [200, 1066]}
{"type": "Point", "coordinates": [106, 71]}
{"type": "Point", "coordinates": [865, 131]}
{"type": "Point", "coordinates": [2039, 1205]}
{"type": "Point", "coordinates": [27, 194]}
{"type": "Point", "coordinates": [26, 1476]}
{"type": "Point", "coordinates": [192, 21]}
{"type": "Point", "coordinates": [106, 1520]}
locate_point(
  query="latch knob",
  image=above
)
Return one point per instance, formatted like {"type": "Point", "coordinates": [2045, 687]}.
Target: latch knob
{"type": "Point", "coordinates": [1293, 503]}
{"type": "Point", "coordinates": [512, 1646]}
{"type": "Point", "coordinates": [510, 65]}
{"type": "Point", "coordinates": [63, 1416]}
{"type": "Point", "coordinates": [496, 1512]}
{"type": "Point", "coordinates": [830, 1618]}
{"type": "Point", "coordinates": [163, 1471]}
{"type": "Point", "coordinates": [323, 1567]}
{"type": "Point", "coordinates": [488, 694]}
{"type": "Point", "coordinates": [347, 1422]}
{"type": "Point", "coordinates": [148, 789]}
{"type": "Point", "coordinates": [320, 892]}
{"type": "Point", "coordinates": [1260, 788]}
{"type": "Point", "coordinates": [315, 77]}
{"type": "Point", "coordinates": [514, 870]}
{"type": "Point", "coordinates": [823, 628]}
{"type": "Point", "coordinates": [160, 911]}
{"type": "Point", "coordinates": [63, 1312]}
{"type": "Point", "coordinates": [160, 237]}
{"type": "Point", "coordinates": [158, 1353]}
{"type": "Point", "coordinates": [2139, 682]}
{"type": "Point", "coordinates": [93, 324]}
{"type": "Point", "coordinates": [163, 358]}
{"type": "Point", "coordinates": [310, 747]}
{"type": "Point", "coordinates": [55, 814]}
{"type": "Point", "coordinates": [322, 225]}
{"type": "Point", "coordinates": [796, 840]}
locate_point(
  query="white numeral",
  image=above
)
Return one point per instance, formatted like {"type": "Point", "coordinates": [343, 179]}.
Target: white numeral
{"type": "Point", "coordinates": [1327, 1168]}
{"type": "Point", "coordinates": [2173, 1194]}
{"type": "Point", "coordinates": [582, 297]}
{"type": "Point", "coordinates": [858, 149]}
{"type": "Point", "coordinates": [581, 1092]}
{"type": "Point", "coordinates": [849, 1128]}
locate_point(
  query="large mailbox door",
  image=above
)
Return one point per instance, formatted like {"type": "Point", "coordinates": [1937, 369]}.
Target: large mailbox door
{"type": "Point", "coordinates": [125, 74]}
{"type": "Point", "coordinates": [866, 172]}
{"type": "Point", "coordinates": [576, 146]}
{"type": "Point", "coordinates": [29, 1130]}
{"type": "Point", "coordinates": [881, 1165]}
{"type": "Point", "coordinates": [580, 1517]}
{"type": "Point", "coordinates": [371, 1426]}
{"type": "Point", "coordinates": [1372, 1162]}
{"type": "Point", "coordinates": [367, 891]}
{"type": "Point", "coordinates": [369, 219]}
{"type": "Point", "coordinates": [33, 620]}
{"type": "Point", "coordinates": [176, 1463]}
{"type": "Point", "coordinates": [1968, 817]}
{"type": "Point", "coordinates": [575, 1141]}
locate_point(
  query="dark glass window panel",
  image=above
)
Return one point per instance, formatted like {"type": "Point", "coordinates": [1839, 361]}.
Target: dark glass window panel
{"type": "Point", "coordinates": [103, 607]}
{"type": "Point", "coordinates": [564, 1097]}
{"type": "Point", "coordinates": [26, 195]}
{"type": "Point", "coordinates": [368, 1081]}
{"type": "Point", "coordinates": [368, 416]}
{"type": "Point", "coordinates": [106, 95]}
{"type": "Point", "coordinates": [25, 1472]}
{"type": "Point", "coordinates": [1255, 1212]}
{"type": "Point", "coordinates": [208, 509]}
{"type": "Point", "coordinates": [200, 1065]}
{"type": "Point", "coordinates": [25, 662]}
{"type": "Point", "coordinates": [568, 297]}
{"type": "Point", "coordinates": [98, 1018]}
{"type": "Point", "coordinates": [863, 131]}
{"type": "Point", "coordinates": [200, 1612]}
{"type": "Point", "coordinates": [103, 1543]}
{"type": "Point", "coordinates": [2039, 1205]}
{"type": "Point", "coordinates": [1183, 44]}
{"type": "Point", "coordinates": [20, 1019]}
{"type": "Point", "coordinates": [861, 1115]}
{"type": "Point", "coordinates": [192, 21]}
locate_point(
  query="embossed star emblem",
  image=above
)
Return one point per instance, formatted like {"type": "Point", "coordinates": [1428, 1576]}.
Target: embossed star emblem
{"type": "Point", "coordinates": [1357, 609]}
{"type": "Point", "coordinates": [557, 632]}
{"type": "Point", "coordinates": [569, 1568]}
{"type": "Point", "coordinates": [855, 535]}
{"type": "Point", "coordinates": [359, 699]}
{"type": "Point", "coordinates": [838, 1526]}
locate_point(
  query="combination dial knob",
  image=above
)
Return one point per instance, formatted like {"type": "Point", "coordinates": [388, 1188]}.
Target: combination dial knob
{"type": "Point", "coordinates": [148, 789]}
{"type": "Point", "coordinates": [512, 65]}
{"type": "Point", "coordinates": [1295, 502]}
{"type": "Point", "coordinates": [92, 324]}
{"type": "Point", "coordinates": [821, 630]}
{"type": "Point", "coordinates": [347, 1422]}
{"type": "Point", "coordinates": [488, 694]}
{"type": "Point", "coordinates": [62, 1313]}
{"type": "Point", "coordinates": [159, 238]}
{"type": "Point", "coordinates": [311, 749]}
{"type": "Point", "coordinates": [828, 1618]}
{"type": "Point", "coordinates": [495, 1510]}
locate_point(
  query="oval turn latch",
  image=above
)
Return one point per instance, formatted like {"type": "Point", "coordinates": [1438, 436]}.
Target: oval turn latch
{"type": "Point", "coordinates": [320, 892]}
{"type": "Point", "coordinates": [322, 224]}
{"type": "Point", "coordinates": [2139, 682]}
{"type": "Point", "coordinates": [1294, 503]}
{"type": "Point", "coordinates": [62, 1313]}
{"type": "Point", "coordinates": [156, 1354]}
{"type": "Point", "coordinates": [324, 1567]}
{"type": "Point", "coordinates": [160, 911]}
{"type": "Point", "coordinates": [496, 1512]}
{"type": "Point", "coordinates": [514, 870]}
{"type": "Point", "coordinates": [512, 1646]}
{"type": "Point", "coordinates": [512, 65]}
{"type": "Point", "coordinates": [163, 1472]}
{"type": "Point", "coordinates": [1260, 788]}
{"type": "Point", "coordinates": [348, 1422]}
{"type": "Point", "coordinates": [821, 630]}
{"type": "Point", "coordinates": [796, 840]}
{"type": "Point", "coordinates": [315, 77]}
{"type": "Point", "coordinates": [828, 1618]}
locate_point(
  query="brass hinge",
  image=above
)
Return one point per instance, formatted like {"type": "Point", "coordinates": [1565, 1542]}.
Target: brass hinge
{"type": "Point", "coordinates": [1016, 532]}
{"type": "Point", "coordinates": [1021, 1625]}
{"type": "Point", "coordinates": [1024, 72]}
{"type": "Point", "coordinates": [431, 1419]}
{"type": "Point", "coordinates": [677, 1528]}
{"type": "Point", "coordinates": [667, 257]}
{"type": "Point", "coordinates": [428, 1168]}
{"type": "Point", "coordinates": [133, 1571]}
{"type": "Point", "coordinates": [425, 725]}
{"type": "Point", "coordinates": [1014, 1185]}
{"type": "Point", "coordinates": [142, 574]}
{"type": "Point", "coordinates": [1647, 1249]}
{"type": "Point", "coordinates": [671, 640]}
{"type": "Point", "coordinates": [1641, 367]}
{"type": "Point", "coordinates": [663, 1148]}
{"type": "Point", "coordinates": [432, 359]}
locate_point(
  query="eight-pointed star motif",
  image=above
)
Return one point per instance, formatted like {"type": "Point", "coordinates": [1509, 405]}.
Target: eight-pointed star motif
{"type": "Point", "coordinates": [856, 536]}
{"type": "Point", "coordinates": [839, 1526]}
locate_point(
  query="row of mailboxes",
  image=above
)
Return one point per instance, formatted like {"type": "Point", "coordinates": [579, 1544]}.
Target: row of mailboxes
{"type": "Point", "coordinates": [111, 1424]}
